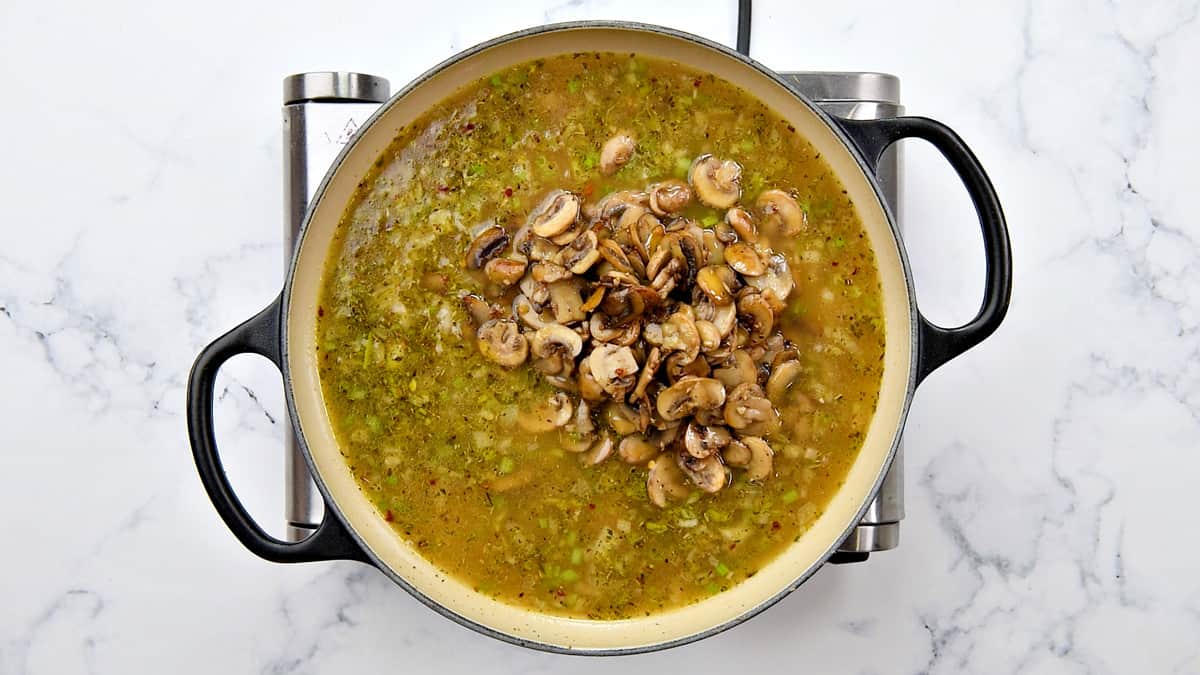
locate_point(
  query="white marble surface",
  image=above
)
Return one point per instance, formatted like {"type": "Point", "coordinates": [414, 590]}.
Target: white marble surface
{"type": "Point", "coordinates": [1049, 526]}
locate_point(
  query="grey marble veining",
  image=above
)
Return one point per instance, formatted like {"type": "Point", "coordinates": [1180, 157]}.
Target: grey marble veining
{"type": "Point", "coordinates": [1050, 471]}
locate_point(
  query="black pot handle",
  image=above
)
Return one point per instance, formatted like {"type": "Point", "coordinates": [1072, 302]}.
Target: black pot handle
{"type": "Point", "coordinates": [260, 335]}
{"type": "Point", "coordinates": [938, 345]}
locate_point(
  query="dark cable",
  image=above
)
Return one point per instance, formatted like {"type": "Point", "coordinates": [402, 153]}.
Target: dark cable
{"type": "Point", "coordinates": [743, 30]}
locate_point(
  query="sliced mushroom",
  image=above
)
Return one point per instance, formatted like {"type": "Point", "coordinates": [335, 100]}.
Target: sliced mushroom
{"type": "Point", "coordinates": [598, 452]}
{"type": "Point", "coordinates": [504, 271]}
{"type": "Point", "coordinates": [537, 292]}
{"type": "Point", "coordinates": [555, 347]}
{"type": "Point", "coordinates": [744, 259]}
{"type": "Point", "coordinates": [669, 197]}
{"type": "Point", "coordinates": [708, 474]}
{"type": "Point", "coordinates": [737, 369]}
{"type": "Point", "coordinates": [781, 213]}
{"type": "Point", "coordinates": [649, 370]}
{"type": "Point", "coordinates": [749, 411]}
{"type": "Point", "coordinates": [615, 153]}
{"type": "Point", "coordinates": [782, 377]}
{"type": "Point", "coordinates": [589, 388]}
{"type": "Point", "coordinates": [524, 310]}
{"type": "Point", "coordinates": [621, 418]}
{"type": "Point", "coordinates": [612, 252]}
{"type": "Point", "coordinates": [689, 395]}
{"type": "Point", "coordinates": [549, 273]}
{"type": "Point", "coordinates": [700, 441]}
{"type": "Point", "coordinates": [555, 214]}
{"type": "Point", "coordinates": [581, 253]}
{"type": "Point", "coordinates": [717, 183]}
{"type": "Point", "coordinates": [742, 223]}
{"type": "Point", "coordinates": [636, 450]}
{"type": "Point", "coordinates": [761, 458]}
{"type": "Point", "coordinates": [776, 284]}
{"type": "Point", "coordinates": [541, 249]}
{"type": "Point", "coordinates": [489, 244]}
{"type": "Point", "coordinates": [614, 368]}
{"type": "Point", "coordinates": [676, 334]}
{"type": "Point", "coordinates": [665, 480]}
{"type": "Point", "coordinates": [481, 311]}
{"type": "Point", "coordinates": [757, 316]}
{"type": "Point", "coordinates": [622, 335]}
{"type": "Point", "coordinates": [710, 337]}
{"type": "Point", "coordinates": [710, 281]}
{"type": "Point", "coordinates": [547, 415]}
{"type": "Point", "coordinates": [737, 454]}
{"type": "Point", "coordinates": [500, 340]}
{"type": "Point", "coordinates": [566, 301]}
{"type": "Point", "coordinates": [679, 366]}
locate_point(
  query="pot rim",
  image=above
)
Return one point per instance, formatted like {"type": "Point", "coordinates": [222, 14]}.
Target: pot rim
{"type": "Point", "coordinates": [332, 507]}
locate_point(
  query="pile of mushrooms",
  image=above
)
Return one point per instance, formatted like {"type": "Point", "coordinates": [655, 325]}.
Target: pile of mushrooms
{"type": "Point", "coordinates": [659, 334]}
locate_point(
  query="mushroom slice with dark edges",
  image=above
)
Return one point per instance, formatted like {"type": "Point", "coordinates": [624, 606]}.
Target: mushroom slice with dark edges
{"type": "Point", "coordinates": [555, 214]}
{"type": "Point", "coordinates": [761, 458]}
{"type": "Point", "coordinates": [677, 334]}
{"type": "Point", "coordinates": [524, 310]}
{"type": "Point", "coordinates": [489, 244]}
{"type": "Point", "coordinates": [481, 311]}
{"type": "Point", "coordinates": [689, 395]}
{"type": "Point", "coordinates": [756, 315]}
{"type": "Point", "coordinates": [537, 292]}
{"type": "Point", "coordinates": [581, 253]}
{"type": "Point", "coordinates": [665, 481]}
{"type": "Point", "coordinates": [708, 474]}
{"type": "Point", "coordinates": [614, 368]}
{"type": "Point", "coordinates": [555, 347]}
{"type": "Point", "coordinates": [716, 183]}
{"type": "Point", "coordinates": [700, 441]}
{"type": "Point", "coordinates": [781, 213]}
{"type": "Point", "coordinates": [649, 369]}
{"type": "Point", "coordinates": [612, 252]}
{"type": "Point", "coordinates": [669, 197]}
{"type": "Point", "coordinates": [549, 273]}
{"type": "Point", "coordinates": [566, 301]}
{"type": "Point", "coordinates": [738, 368]}
{"type": "Point", "coordinates": [589, 388]}
{"type": "Point", "coordinates": [500, 340]}
{"type": "Point", "coordinates": [547, 415]}
{"type": "Point", "coordinates": [615, 153]}
{"type": "Point", "coordinates": [504, 271]}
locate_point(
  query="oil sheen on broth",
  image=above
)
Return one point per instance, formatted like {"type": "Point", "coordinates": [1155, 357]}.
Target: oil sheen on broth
{"type": "Point", "coordinates": [427, 424]}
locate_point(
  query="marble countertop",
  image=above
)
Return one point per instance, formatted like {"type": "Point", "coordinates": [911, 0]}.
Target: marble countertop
{"type": "Point", "coordinates": [1047, 470]}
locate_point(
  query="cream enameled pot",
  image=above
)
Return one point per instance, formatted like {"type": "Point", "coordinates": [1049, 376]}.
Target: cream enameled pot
{"type": "Point", "coordinates": [352, 529]}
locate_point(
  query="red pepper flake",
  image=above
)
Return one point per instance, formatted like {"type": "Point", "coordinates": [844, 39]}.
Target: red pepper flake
{"type": "Point", "coordinates": [388, 516]}
{"type": "Point", "coordinates": [560, 593]}
{"type": "Point", "coordinates": [433, 481]}
{"type": "Point", "coordinates": [696, 82]}
{"type": "Point", "coordinates": [469, 126]}
{"type": "Point", "coordinates": [834, 263]}
{"type": "Point", "coordinates": [507, 192]}
{"type": "Point", "coordinates": [592, 507]}
{"type": "Point", "coordinates": [320, 311]}
{"type": "Point", "coordinates": [775, 525]}
{"type": "Point", "coordinates": [588, 189]}
{"type": "Point", "coordinates": [443, 188]}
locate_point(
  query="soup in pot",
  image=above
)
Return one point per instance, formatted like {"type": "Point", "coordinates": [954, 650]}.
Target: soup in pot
{"type": "Point", "coordinates": [600, 335]}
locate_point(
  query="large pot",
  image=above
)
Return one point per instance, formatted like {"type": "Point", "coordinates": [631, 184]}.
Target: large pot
{"type": "Point", "coordinates": [353, 530]}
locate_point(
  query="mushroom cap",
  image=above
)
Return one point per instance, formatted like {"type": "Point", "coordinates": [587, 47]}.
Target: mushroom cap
{"type": "Point", "coordinates": [689, 395]}
{"type": "Point", "coordinates": [616, 152]}
{"type": "Point", "coordinates": [737, 369]}
{"type": "Point", "coordinates": [761, 458]}
{"type": "Point", "coordinates": [500, 340]}
{"type": "Point", "coordinates": [737, 454]}
{"type": "Point", "coordinates": [671, 196]}
{"type": "Point", "coordinates": [635, 449]}
{"type": "Point", "coordinates": [748, 410]}
{"type": "Point", "coordinates": [614, 368]}
{"type": "Point", "coordinates": [490, 243]}
{"type": "Point", "coordinates": [555, 339]}
{"type": "Point", "coordinates": [776, 283]}
{"type": "Point", "coordinates": [742, 223]}
{"type": "Point", "coordinates": [665, 480]}
{"type": "Point", "coordinates": [700, 441]}
{"type": "Point", "coordinates": [781, 213]}
{"type": "Point", "coordinates": [581, 253]}
{"type": "Point", "coordinates": [708, 474]}
{"type": "Point", "coordinates": [783, 376]}
{"type": "Point", "coordinates": [744, 259]}
{"type": "Point", "coordinates": [716, 183]}
{"type": "Point", "coordinates": [757, 315]}
{"type": "Point", "coordinates": [504, 271]}
{"type": "Point", "coordinates": [555, 214]}
{"type": "Point", "coordinates": [598, 452]}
